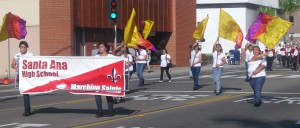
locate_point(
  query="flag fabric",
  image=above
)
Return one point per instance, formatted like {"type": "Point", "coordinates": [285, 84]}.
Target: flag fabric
{"type": "Point", "coordinates": [130, 31]}
{"type": "Point", "coordinates": [229, 29]}
{"type": "Point", "coordinates": [145, 43]}
{"type": "Point", "coordinates": [258, 27]}
{"type": "Point", "coordinates": [199, 32]}
{"type": "Point", "coordinates": [275, 30]}
{"type": "Point", "coordinates": [147, 28]}
{"type": "Point", "coordinates": [13, 27]}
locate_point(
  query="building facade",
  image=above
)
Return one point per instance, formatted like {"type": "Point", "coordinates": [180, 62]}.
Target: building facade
{"type": "Point", "coordinates": [243, 11]}
{"type": "Point", "coordinates": [71, 27]}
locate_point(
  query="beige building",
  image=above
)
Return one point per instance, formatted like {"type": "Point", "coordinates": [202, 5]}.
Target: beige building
{"type": "Point", "coordinates": [28, 10]}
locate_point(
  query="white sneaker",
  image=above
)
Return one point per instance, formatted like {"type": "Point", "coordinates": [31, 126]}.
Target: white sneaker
{"type": "Point", "coordinates": [170, 81]}
{"type": "Point", "coordinates": [160, 81]}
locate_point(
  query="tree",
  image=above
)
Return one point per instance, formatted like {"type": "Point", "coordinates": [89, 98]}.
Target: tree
{"type": "Point", "coordinates": [268, 10]}
{"type": "Point", "coordinates": [288, 7]}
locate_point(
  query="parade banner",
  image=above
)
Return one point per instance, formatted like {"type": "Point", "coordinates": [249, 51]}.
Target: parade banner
{"type": "Point", "coordinates": [77, 75]}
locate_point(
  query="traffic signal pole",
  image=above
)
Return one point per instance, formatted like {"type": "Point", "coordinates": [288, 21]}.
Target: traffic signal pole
{"type": "Point", "coordinates": [115, 31]}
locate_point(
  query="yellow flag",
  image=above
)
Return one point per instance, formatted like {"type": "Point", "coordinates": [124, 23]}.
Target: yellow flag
{"type": "Point", "coordinates": [147, 29]}
{"type": "Point", "coordinates": [229, 29]}
{"type": "Point", "coordinates": [3, 32]}
{"type": "Point", "coordinates": [275, 30]}
{"type": "Point", "coordinates": [130, 31]}
{"type": "Point", "coordinates": [199, 32]}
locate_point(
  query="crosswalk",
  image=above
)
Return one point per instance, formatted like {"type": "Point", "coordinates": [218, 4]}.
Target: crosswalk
{"type": "Point", "coordinates": [241, 76]}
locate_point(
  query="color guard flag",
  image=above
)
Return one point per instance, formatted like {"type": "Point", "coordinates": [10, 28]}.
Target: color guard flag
{"type": "Point", "coordinates": [258, 27]}
{"type": "Point", "coordinates": [275, 30]}
{"type": "Point", "coordinates": [229, 29]}
{"type": "Point", "coordinates": [199, 32]}
{"type": "Point", "coordinates": [145, 43]}
{"type": "Point", "coordinates": [13, 27]}
{"type": "Point", "coordinates": [130, 31]}
{"type": "Point", "coordinates": [148, 27]}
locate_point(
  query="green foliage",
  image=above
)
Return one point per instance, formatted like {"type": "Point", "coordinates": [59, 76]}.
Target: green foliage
{"type": "Point", "coordinates": [207, 59]}
{"type": "Point", "coordinates": [268, 10]}
{"type": "Point", "coordinates": [289, 6]}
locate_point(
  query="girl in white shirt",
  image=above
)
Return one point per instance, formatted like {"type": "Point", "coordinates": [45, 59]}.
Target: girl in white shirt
{"type": "Point", "coordinates": [257, 73]}
{"type": "Point", "coordinates": [165, 58]}
{"type": "Point", "coordinates": [195, 63]}
{"type": "Point", "coordinates": [218, 61]}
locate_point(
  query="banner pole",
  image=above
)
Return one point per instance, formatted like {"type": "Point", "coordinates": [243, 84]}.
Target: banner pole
{"type": "Point", "coordinates": [8, 58]}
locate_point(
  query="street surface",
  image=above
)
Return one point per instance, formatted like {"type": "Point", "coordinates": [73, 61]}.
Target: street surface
{"type": "Point", "coordinates": [167, 105]}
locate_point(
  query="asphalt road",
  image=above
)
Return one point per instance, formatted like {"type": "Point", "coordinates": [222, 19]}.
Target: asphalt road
{"type": "Point", "coordinates": [167, 105]}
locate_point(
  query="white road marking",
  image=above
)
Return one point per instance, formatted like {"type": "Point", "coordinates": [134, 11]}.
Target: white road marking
{"type": "Point", "coordinates": [280, 93]}
{"type": "Point", "coordinates": [8, 124]}
{"type": "Point", "coordinates": [292, 76]}
{"type": "Point", "coordinates": [271, 76]}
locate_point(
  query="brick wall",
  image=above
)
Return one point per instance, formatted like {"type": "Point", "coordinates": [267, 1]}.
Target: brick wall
{"type": "Point", "coordinates": [183, 24]}
{"type": "Point", "coordinates": [56, 27]}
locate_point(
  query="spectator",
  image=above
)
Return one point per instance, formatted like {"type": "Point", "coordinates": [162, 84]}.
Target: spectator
{"type": "Point", "coordinates": [95, 50]}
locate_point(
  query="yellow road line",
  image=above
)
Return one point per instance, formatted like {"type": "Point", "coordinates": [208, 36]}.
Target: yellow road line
{"type": "Point", "coordinates": [161, 110]}
{"type": "Point", "coordinates": [45, 105]}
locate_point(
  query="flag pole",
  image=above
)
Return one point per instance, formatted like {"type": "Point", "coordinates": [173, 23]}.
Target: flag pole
{"type": "Point", "coordinates": [219, 22]}
{"type": "Point", "coordinates": [8, 58]}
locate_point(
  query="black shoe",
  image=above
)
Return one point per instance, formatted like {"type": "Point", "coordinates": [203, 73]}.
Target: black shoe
{"type": "Point", "coordinates": [26, 113]}
{"type": "Point", "coordinates": [257, 104]}
{"type": "Point", "coordinates": [195, 87]}
{"type": "Point", "coordinates": [98, 114]}
{"type": "Point", "coordinates": [218, 93]}
{"type": "Point", "coordinates": [109, 114]}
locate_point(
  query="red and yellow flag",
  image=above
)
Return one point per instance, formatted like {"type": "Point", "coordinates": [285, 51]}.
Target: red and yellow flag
{"type": "Point", "coordinates": [275, 30]}
{"type": "Point", "coordinates": [229, 29]}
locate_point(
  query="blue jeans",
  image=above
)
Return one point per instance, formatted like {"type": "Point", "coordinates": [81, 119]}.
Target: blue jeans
{"type": "Point", "coordinates": [217, 73]}
{"type": "Point", "coordinates": [196, 72]}
{"type": "Point", "coordinates": [139, 70]}
{"type": "Point", "coordinates": [257, 84]}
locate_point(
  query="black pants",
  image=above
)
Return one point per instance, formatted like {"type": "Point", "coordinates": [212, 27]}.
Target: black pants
{"type": "Point", "coordinates": [26, 99]}
{"type": "Point", "coordinates": [109, 100]}
{"type": "Point", "coordinates": [283, 58]}
{"type": "Point", "coordinates": [295, 60]}
{"type": "Point", "coordinates": [162, 72]}
{"type": "Point", "coordinates": [269, 62]}
{"type": "Point", "coordinates": [288, 61]}
{"type": "Point", "coordinates": [127, 78]}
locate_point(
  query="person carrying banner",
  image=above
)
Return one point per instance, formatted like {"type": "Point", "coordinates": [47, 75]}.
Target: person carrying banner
{"type": "Point", "coordinates": [104, 52]}
{"type": "Point", "coordinates": [23, 45]}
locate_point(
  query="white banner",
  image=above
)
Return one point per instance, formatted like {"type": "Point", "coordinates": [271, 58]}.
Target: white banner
{"type": "Point", "coordinates": [77, 75]}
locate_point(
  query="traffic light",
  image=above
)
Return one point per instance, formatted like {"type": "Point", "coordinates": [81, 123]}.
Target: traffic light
{"type": "Point", "coordinates": [113, 10]}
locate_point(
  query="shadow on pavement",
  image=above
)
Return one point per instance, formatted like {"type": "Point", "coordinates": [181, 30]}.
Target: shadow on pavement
{"type": "Point", "coordinates": [255, 123]}
{"type": "Point", "coordinates": [117, 111]}
{"type": "Point", "coordinates": [6, 99]}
